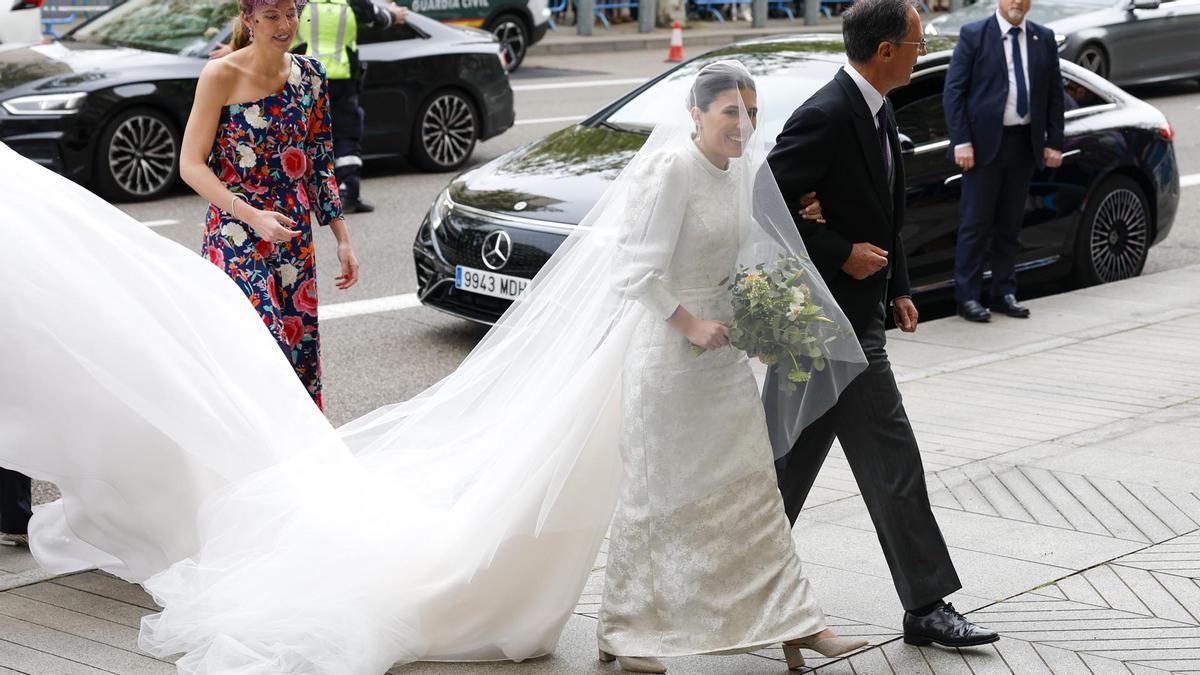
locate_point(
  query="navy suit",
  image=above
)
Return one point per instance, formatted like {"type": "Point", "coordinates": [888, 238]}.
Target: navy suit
{"type": "Point", "coordinates": [994, 191]}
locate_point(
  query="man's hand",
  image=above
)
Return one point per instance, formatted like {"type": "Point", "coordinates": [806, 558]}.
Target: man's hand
{"type": "Point", "coordinates": [865, 259]}
{"type": "Point", "coordinates": [399, 14]}
{"type": "Point", "coordinates": [220, 50]}
{"type": "Point", "coordinates": [1053, 158]}
{"type": "Point", "coordinates": [905, 313]}
{"type": "Point", "coordinates": [964, 157]}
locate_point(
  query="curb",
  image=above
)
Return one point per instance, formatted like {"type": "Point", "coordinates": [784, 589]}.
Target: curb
{"type": "Point", "coordinates": [600, 43]}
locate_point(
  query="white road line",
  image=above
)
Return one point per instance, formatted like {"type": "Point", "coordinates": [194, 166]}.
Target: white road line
{"type": "Point", "coordinates": [580, 85]}
{"type": "Point", "coordinates": [551, 120]}
{"type": "Point", "coordinates": [1191, 180]}
{"type": "Point", "coordinates": [159, 223]}
{"type": "Point", "coordinates": [390, 303]}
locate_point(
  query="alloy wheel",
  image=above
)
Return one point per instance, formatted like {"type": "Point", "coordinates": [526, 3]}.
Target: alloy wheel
{"type": "Point", "coordinates": [142, 155]}
{"type": "Point", "coordinates": [448, 130]}
{"type": "Point", "coordinates": [1120, 236]}
{"type": "Point", "coordinates": [1092, 58]}
{"type": "Point", "coordinates": [512, 41]}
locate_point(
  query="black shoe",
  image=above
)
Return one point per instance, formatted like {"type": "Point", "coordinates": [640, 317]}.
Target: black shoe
{"type": "Point", "coordinates": [357, 206]}
{"type": "Point", "coordinates": [1009, 305]}
{"type": "Point", "coordinates": [971, 310]}
{"type": "Point", "coordinates": [945, 627]}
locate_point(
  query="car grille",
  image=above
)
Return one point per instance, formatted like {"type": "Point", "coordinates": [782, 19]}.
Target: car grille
{"type": "Point", "coordinates": [460, 240]}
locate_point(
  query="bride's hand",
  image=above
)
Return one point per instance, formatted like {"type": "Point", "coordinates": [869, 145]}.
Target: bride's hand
{"type": "Point", "coordinates": [707, 334]}
{"type": "Point", "coordinates": [811, 208]}
{"type": "Point", "coordinates": [269, 225]}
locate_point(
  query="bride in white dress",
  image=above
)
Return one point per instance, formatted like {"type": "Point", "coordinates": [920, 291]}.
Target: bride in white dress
{"type": "Point", "coordinates": [462, 524]}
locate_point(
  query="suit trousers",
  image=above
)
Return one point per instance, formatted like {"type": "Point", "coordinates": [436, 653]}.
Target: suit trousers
{"type": "Point", "coordinates": [877, 439]}
{"type": "Point", "coordinates": [348, 121]}
{"type": "Point", "coordinates": [15, 502]}
{"type": "Point", "coordinates": [993, 209]}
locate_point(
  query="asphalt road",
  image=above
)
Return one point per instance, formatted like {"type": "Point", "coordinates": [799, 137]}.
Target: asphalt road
{"type": "Point", "coordinates": [376, 354]}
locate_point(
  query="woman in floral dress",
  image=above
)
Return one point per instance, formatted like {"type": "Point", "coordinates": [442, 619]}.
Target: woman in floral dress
{"type": "Point", "coordinates": [258, 146]}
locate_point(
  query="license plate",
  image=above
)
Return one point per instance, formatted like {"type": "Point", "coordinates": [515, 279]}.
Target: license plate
{"type": "Point", "coordinates": [489, 283]}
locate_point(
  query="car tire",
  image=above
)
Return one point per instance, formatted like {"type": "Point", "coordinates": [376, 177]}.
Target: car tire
{"type": "Point", "coordinates": [445, 132]}
{"type": "Point", "coordinates": [137, 158]}
{"type": "Point", "coordinates": [513, 32]}
{"type": "Point", "coordinates": [1114, 233]}
{"type": "Point", "coordinates": [1092, 57]}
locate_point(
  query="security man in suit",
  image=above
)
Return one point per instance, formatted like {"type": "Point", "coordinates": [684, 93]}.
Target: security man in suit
{"type": "Point", "coordinates": [1004, 109]}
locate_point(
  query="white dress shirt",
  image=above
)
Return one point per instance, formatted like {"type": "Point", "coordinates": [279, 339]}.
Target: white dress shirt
{"type": "Point", "coordinates": [1011, 117]}
{"type": "Point", "coordinates": [870, 93]}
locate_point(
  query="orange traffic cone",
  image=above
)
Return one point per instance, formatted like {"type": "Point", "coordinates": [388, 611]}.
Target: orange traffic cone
{"type": "Point", "coordinates": [675, 53]}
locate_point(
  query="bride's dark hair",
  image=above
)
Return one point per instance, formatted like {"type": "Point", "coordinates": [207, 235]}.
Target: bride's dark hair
{"type": "Point", "coordinates": [716, 78]}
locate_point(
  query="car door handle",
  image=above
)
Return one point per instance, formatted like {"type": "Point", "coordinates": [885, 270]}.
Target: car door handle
{"type": "Point", "coordinates": [1070, 153]}
{"type": "Point", "coordinates": [951, 179]}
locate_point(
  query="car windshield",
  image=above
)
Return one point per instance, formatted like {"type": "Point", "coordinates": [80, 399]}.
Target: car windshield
{"type": "Point", "coordinates": [785, 73]}
{"type": "Point", "coordinates": [174, 26]}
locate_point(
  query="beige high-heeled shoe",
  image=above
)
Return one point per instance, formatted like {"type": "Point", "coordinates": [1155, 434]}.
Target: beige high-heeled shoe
{"type": "Point", "coordinates": [635, 664]}
{"type": "Point", "coordinates": [829, 647]}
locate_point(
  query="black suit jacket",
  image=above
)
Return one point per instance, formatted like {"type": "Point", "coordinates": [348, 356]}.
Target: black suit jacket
{"type": "Point", "coordinates": [830, 146]}
{"type": "Point", "coordinates": [977, 88]}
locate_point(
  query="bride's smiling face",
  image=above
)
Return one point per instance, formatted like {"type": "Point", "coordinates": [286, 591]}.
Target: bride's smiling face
{"type": "Point", "coordinates": [725, 127]}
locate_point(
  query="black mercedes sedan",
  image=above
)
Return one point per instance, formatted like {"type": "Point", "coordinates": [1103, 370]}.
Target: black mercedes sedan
{"type": "Point", "coordinates": [107, 104]}
{"type": "Point", "coordinates": [1127, 41]}
{"type": "Point", "coordinates": [1092, 220]}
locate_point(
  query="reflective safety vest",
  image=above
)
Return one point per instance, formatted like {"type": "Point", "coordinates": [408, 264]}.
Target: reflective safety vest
{"type": "Point", "coordinates": [329, 28]}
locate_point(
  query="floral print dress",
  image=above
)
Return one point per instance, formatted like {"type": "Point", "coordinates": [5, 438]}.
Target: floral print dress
{"type": "Point", "coordinates": [277, 154]}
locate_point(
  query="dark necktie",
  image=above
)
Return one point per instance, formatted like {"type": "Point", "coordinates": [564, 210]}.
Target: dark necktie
{"type": "Point", "coordinates": [1019, 72]}
{"type": "Point", "coordinates": [885, 148]}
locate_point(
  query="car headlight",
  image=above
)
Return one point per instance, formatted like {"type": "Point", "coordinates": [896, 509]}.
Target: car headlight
{"type": "Point", "coordinates": [45, 104]}
{"type": "Point", "coordinates": [441, 209]}
{"type": "Point", "coordinates": [1060, 40]}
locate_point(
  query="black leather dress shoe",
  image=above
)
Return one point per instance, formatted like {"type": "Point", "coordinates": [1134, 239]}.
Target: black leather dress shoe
{"type": "Point", "coordinates": [1009, 305]}
{"type": "Point", "coordinates": [357, 206]}
{"type": "Point", "coordinates": [945, 627]}
{"type": "Point", "coordinates": [972, 310]}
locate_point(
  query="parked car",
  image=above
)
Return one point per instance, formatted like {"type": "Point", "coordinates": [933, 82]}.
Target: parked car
{"type": "Point", "coordinates": [517, 24]}
{"type": "Point", "coordinates": [20, 21]}
{"type": "Point", "coordinates": [106, 105]}
{"type": "Point", "coordinates": [1094, 219]}
{"type": "Point", "coordinates": [1126, 41]}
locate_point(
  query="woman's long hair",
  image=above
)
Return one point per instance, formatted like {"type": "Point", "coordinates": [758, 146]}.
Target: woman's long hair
{"type": "Point", "coordinates": [241, 34]}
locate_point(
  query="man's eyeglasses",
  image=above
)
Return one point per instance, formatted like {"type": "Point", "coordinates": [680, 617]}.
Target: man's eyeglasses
{"type": "Point", "coordinates": [922, 46]}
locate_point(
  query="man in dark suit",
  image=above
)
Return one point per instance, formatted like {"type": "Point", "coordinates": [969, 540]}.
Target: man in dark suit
{"type": "Point", "coordinates": [1004, 110]}
{"type": "Point", "coordinates": [843, 144]}
{"type": "Point", "coordinates": [15, 508]}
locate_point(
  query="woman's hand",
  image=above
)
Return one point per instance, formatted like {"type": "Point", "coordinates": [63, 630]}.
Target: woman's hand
{"type": "Point", "coordinates": [269, 225]}
{"type": "Point", "coordinates": [811, 208]}
{"type": "Point", "coordinates": [349, 262]}
{"type": "Point", "coordinates": [707, 334]}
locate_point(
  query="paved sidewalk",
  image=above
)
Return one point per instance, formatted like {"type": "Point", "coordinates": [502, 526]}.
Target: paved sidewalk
{"type": "Point", "coordinates": [1063, 463]}
{"type": "Point", "coordinates": [698, 36]}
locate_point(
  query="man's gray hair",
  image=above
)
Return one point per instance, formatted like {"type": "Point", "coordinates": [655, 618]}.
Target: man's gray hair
{"type": "Point", "coordinates": [869, 22]}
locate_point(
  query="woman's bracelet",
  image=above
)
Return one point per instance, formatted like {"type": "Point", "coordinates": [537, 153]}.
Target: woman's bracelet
{"type": "Point", "coordinates": [232, 204]}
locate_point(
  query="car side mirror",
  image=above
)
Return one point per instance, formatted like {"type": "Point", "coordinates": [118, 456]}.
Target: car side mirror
{"type": "Point", "coordinates": [906, 145]}
{"type": "Point", "coordinates": [1144, 4]}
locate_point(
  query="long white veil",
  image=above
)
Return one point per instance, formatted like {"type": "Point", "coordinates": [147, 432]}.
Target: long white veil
{"type": "Point", "coordinates": [459, 525]}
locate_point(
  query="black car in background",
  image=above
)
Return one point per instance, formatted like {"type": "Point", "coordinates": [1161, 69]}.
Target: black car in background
{"type": "Point", "coordinates": [106, 105]}
{"type": "Point", "coordinates": [1092, 220]}
{"type": "Point", "coordinates": [1126, 41]}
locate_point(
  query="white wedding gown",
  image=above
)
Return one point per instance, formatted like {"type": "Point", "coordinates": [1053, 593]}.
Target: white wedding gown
{"type": "Point", "coordinates": [701, 558]}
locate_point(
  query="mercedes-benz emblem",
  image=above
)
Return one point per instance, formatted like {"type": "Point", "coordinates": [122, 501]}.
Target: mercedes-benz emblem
{"type": "Point", "coordinates": [520, 206]}
{"type": "Point", "coordinates": [497, 247]}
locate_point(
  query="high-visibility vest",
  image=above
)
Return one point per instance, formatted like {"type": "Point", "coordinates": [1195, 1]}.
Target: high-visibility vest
{"type": "Point", "coordinates": [329, 28]}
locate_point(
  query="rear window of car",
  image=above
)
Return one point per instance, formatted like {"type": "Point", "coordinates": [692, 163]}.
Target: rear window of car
{"type": "Point", "coordinates": [174, 26]}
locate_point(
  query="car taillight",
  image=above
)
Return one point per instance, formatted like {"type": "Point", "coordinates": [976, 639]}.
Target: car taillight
{"type": "Point", "coordinates": [27, 4]}
{"type": "Point", "coordinates": [1167, 132]}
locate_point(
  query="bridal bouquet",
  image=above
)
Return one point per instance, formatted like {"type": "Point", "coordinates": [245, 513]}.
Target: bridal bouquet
{"type": "Point", "coordinates": [776, 320]}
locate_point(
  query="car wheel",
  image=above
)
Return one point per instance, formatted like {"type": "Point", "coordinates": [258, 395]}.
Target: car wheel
{"type": "Point", "coordinates": [138, 156]}
{"type": "Point", "coordinates": [1094, 58]}
{"type": "Point", "coordinates": [513, 34]}
{"type": "Point", "coordinates": [1114, 234]}
{"type": "Point", "coordinates": [446, 131]}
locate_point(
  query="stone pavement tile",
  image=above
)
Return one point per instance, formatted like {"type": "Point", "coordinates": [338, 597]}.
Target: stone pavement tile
{"type": "Point", "coordinates": [1177, 557]}
{"type": "Point", "coordinates": [15, 559]}
{"type": "Point", "coordinates": [34, 662]}
{"type": "Point", "coordinates": [1114, 459]}
{"type": "Point", "coordinates": [78, 649]}
{"type": "Point", "coordinates": [74, 623]}
{"type": "Point", "coordinates": [108, 586]}
{"type": "Point", "coordinates": [1052, 391]}
{"type": "Point", "coordinates": [1161, 602]}
{"type": "Point", "coordinates": [906, 659]}
{"type": "Point", "coordinates": [943, 661]}
{"type": "Point", "coordinates": [985, 660]}
{"type": "Point", "coordinates": [915, 354]}
{"type": "Point", "coordinates": [1062, 661]}
{"type": "Point", "coordinates": [1116, 593]}
{"type": "Point", "coordinates": [1104, 666]}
